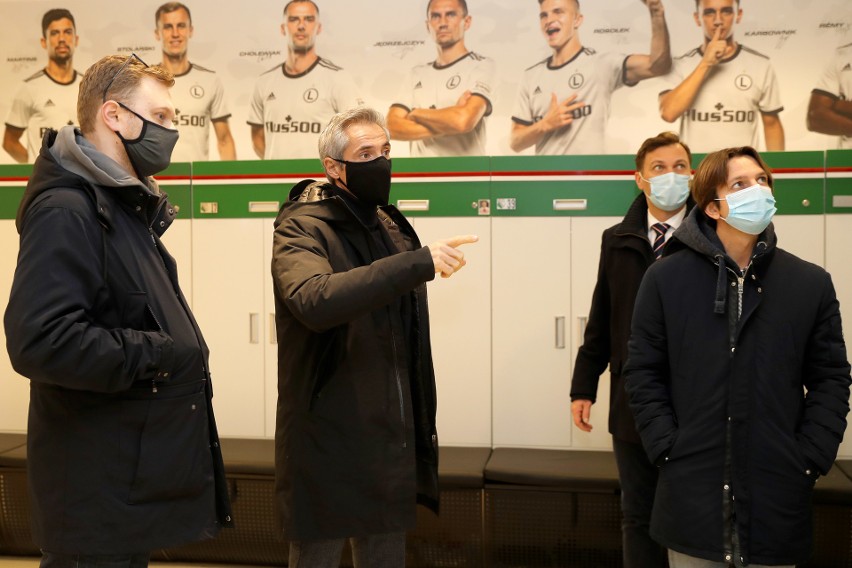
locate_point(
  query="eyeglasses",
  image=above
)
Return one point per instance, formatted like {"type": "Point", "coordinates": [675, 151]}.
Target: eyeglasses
{"type": "Point", "coordinates": [120, 69]}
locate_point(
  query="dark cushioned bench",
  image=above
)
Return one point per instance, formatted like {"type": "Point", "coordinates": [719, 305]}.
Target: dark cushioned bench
{"type": "Point", "coordinates": [502, 507]}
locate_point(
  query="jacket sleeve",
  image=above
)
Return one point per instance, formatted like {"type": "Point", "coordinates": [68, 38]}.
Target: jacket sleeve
{"type": "Point", "coordinates": [52, 334]}
{"type": "Point", "coordinates": [827, 379]}
{"type": "Point", "coordinates": [647, 373]}
{"type": "Point", "coordinates": [321, 298]}
{"type": "Point", "coordinates": [594, 354]}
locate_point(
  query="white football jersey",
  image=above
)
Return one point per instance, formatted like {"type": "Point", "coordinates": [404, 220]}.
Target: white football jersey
{"type": "Point", "coordinates": [40, 104]}
{"type": "Point", "coordinates": [199, 98]}
{"type": "Point", "coordinates": [836, 82]}
{"type": "Point", "coordinates": [434, 87]}
{"type": "Point", "coordinates": [593, 76]}
{"type": "Point", "coordinates": [728, 107]}
{"type": "Point", "coordinates": [293, 109]}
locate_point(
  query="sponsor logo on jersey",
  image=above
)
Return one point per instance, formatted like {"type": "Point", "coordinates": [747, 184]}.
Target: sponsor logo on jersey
{"type": "Point", "coordinates": [196, 120]}
{"type": "Point", "coordinates": [419, 85]}
{"type": "Point", "coordinates": [271, 97]}
{"type": "Point", "coordinates": [293, 126]}
{"type": "Point", "coordinates": [743, 82]}
{"type": "Point", "coordinates": [454, 82]}
{"type": "Point", "coordinates": [576, 80]}
{"type": "Point", "coordinates": [197, 91]}
{"type": "Point", "coordinates": [847, 67]}
{"type": "Point", "coordinates": [311, 95]}
{"type": "Point", "coordinates": [49, 103]}
{"type": "Point", "coordinates": [721, 115]}
{"type": "Point", "coordinates": [537, 91]}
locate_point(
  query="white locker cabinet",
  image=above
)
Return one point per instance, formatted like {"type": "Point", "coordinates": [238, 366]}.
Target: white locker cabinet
{"type": "Point", "coordinates": [531, 291]}
{"type": "Point", "coordinates": [460, 320]}
{"type": "Point", "coordinates": [230, 268]}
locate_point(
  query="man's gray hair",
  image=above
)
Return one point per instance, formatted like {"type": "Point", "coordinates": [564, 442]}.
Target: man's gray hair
{"type": "Point", "coordinates": [333, 138]}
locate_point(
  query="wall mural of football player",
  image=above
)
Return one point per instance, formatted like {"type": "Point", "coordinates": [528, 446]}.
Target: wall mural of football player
{"type": "Point", "coordinates": [292, 102]}
{"type": "Point", "coordinates": [443, 105]}
{"type": "Point", "coordinates": [563, 102]}
{"type": "Point", "coordinates": [722, 87]}
{"type": "Point", "coordinates": [830, 107]}
{"type": "Point", "coordinates": [198, 94]}
{"type": "Point", "coordinates": [47, 99]}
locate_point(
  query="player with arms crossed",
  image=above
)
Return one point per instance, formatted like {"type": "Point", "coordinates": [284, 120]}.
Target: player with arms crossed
{"type": "Point", "coordinates": [830, 107]}
{"type": "Point", "coordinates": [444, 103]}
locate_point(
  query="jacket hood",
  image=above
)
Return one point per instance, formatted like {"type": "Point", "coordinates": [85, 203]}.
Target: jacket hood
{"type": "Point", "coordinates": [698, 233]}
{"type": "Point", "coordinates": [68, 160]}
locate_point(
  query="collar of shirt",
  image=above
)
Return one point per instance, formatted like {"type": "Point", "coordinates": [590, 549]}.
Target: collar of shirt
{"type": "Point", "coordinates": [674, 221]}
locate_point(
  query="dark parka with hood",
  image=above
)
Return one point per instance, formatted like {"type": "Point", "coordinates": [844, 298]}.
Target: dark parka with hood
{"type": "Point", "coordinates": [122, 448]}
{"type": "Point", "coordinates": [355, 439]}
{"type": "Point", "coordinates": [739, 383]}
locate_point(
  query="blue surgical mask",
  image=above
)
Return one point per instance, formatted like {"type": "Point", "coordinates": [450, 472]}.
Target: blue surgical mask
{"type": "Point", "coordinates": [750, 210]}
{"type": "Point", "coordinates": [669, 191]}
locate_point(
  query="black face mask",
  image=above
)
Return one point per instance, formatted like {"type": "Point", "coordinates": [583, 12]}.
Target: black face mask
{"type": "Point", "coordinates": [151, 151]}
{"type": "Point", "coordinates": [369, 181]}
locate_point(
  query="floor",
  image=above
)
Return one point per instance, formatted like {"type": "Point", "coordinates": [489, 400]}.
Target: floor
{"type": "Point", "coordinates": [32, 562]}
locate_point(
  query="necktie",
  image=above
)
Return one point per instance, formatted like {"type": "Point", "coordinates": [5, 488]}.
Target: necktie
{"type": "Point", "coordinates": [660, 241]}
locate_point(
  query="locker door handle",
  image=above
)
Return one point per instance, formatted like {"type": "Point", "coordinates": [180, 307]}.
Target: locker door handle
{"type": "Point", "coordinates": [254, 331]}
{"type": "Point", "coordinates": [273, 333]}
{"type": "Point", "coordinates": [560, 332]}
{"type": "Point", "coordinates": [582, 321]}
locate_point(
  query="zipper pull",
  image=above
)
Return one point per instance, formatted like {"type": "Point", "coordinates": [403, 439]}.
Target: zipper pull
{"type": "Point", "coordinates": [153, 386]}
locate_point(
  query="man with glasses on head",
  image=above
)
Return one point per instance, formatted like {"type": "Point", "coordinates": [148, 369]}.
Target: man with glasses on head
{"type": "Point", "coordinates": [123, 452]}
{"type": "Point", "coordinates": [48, 98]}
{"type": "Point", "coordinates": [292, 101]}
{"type": "Point", "coordinates": [198, 94]}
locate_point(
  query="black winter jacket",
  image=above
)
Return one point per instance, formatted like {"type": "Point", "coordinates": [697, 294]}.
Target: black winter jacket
{"type": "Point", "coordinates": [751, 370]}
{"type": "Point", "coordinates": [625, 256]}
{"type": "Point", "coordinates": [122, 449]}
{"type": "Point", "coordinates": [355, 439]}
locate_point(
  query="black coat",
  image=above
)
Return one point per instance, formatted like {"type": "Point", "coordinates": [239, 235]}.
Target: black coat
{"type": "Point", "coordinates": [122, 449]}
{"type": "Point", "coordinates": [708, 386]}
{"type": "Point", "coordinates": [355, 439]}
{"type": "Point", "coordinates": [626, 254]}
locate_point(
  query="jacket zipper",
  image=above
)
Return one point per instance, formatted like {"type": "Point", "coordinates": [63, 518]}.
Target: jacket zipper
{"type": "Point", "coordinates": [398, 386]}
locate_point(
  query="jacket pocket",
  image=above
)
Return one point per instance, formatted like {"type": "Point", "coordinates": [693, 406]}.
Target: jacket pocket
{"type": "Point", "coordinates": [174, 460]}
{"type": "Point", "coordinates": [137, 313]}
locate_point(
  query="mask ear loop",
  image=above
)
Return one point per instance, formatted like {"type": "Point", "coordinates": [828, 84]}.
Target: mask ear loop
{"type": "Point", "coordinates": [141, 133]}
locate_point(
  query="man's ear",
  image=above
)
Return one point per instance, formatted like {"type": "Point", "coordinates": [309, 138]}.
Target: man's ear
{"type": "Point", "coordinates": [109, 115]}
{"type": "Point", "coordinates": [332, 167]}
{"type": "Point", "coordinates": [712, 210]}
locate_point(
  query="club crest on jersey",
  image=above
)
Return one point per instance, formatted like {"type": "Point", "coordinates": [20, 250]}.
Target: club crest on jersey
{"type": "Point", "coordinates": [743, 82]}
{"type": "Point", "coordinates": [311, 95]}
{"type": "Point", "coordinates": [454, 82]}
{"type": "Point", "coordinates": [576, 81]}
{"type": "Point", "coordinates": [196, 91]}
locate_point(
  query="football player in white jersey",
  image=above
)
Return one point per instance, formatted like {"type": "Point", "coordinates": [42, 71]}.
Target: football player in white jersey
{"type": "Point", "coordinates": [830, 107]}
{"type": "Point", "coordinates": [563, 103]}
{"type": "Point", "coordinates": [292, 102]}
{"type": "Point", "coordinates": [47, 99]}
{"type": "Point", "coordinates": [443, 104]}
{"type": "Point", "coordinates": [723, 88]}
{"type": "Point", "coordinates": [197, 94]}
